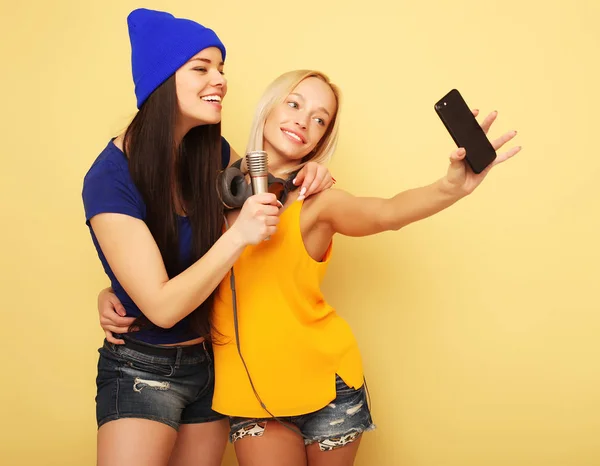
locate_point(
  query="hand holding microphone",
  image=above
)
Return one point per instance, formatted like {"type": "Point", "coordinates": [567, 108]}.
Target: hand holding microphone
{"type": "Point", "coordinates": [259, 216]}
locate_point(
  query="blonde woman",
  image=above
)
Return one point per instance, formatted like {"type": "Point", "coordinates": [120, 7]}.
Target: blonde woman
{"type": "Point", "coordinates": [303, 363]}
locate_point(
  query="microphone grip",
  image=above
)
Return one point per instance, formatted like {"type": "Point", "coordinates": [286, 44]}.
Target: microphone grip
{"type": "Point", "coordinates": [260, 184]}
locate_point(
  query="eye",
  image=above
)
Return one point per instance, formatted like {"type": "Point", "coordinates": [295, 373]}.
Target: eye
{"type": "Point", "coordinates": [222, 73]}
{"type": "Point", "coordinates": [292, 104]}
{"type": "Point", "coordinates": [200, 68]}
{"type": "Point", "coordinates": [320, 121]}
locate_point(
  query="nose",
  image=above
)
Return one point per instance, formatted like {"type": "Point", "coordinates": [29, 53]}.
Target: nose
{"type": "Point", "coordinates": [218, 80]}
{"type": "Point", "coordinates": [301, 121]}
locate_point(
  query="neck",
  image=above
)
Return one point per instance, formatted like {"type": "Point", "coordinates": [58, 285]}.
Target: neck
{"type": "Point", "coordinates": [279, 165]}
{"type": "Point", "coordinates": [181, 129]}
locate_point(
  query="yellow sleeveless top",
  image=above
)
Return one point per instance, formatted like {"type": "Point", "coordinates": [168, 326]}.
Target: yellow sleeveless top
{"type": "Point", "coordinates": [293, 342]}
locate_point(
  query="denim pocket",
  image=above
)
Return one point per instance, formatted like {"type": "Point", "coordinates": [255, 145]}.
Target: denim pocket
{"type": "Point", "coordinates": [148, 367]}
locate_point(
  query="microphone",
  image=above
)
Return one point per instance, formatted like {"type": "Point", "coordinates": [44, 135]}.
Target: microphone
{"type": "Point", "coordinates": [258, 169]}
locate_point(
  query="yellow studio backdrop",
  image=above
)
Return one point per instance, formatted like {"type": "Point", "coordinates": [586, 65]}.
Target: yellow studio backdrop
{"type": "Point", "coordinates": [478, 327]}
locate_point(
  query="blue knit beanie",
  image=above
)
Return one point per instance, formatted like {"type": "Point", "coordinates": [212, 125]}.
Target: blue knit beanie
{"type": "Point", "coordinates": [161, 44]}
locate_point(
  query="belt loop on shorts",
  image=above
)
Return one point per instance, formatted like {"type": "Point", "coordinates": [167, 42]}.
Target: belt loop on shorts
{"type": "Point", "coordinates": [178, 356]}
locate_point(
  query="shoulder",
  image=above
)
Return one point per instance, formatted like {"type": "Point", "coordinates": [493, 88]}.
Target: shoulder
{"type": "Point", "coordinates": [327, 198]}
{"type": "Point", "coordinates": [108, 186]}
{"type": "Point", "coordinates": [111, 161]}
{"type": "Point", "coordinates": [316, 208]}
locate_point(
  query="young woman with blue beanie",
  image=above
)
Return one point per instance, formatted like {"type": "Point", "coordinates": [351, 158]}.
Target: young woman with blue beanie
{"type": "Point", "coordinates": [156, 221]}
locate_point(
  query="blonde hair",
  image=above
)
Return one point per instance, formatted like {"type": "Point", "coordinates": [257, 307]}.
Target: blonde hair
{"type": "Point", "coordinates": [275, 94]}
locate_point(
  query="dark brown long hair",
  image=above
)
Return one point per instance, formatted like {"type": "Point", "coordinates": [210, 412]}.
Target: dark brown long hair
{"type": "Point", "coordinates": [168, 175]}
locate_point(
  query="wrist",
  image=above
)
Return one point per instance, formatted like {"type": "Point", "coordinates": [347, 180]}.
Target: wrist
{"type": "Point", "coordinates": [235, 238]}
{"type": "Point", "coordinates": [450, 190]}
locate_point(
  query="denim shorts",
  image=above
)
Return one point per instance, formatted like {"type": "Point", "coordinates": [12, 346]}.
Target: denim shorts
{"type": "Point", "coordinates": [169, 384]}
{"type": "Point", "coordinates": [339, 423]}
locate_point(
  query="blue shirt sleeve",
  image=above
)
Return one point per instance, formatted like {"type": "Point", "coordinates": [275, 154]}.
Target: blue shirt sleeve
{"type": "Point", "coordinates": [225, 152]}
{"type": "Point", "coordinates": [107, 188]}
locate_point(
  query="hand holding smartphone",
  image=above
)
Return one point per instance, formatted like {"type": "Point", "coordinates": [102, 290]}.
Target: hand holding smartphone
{"type": "Point", "coordinates": [465, 130]}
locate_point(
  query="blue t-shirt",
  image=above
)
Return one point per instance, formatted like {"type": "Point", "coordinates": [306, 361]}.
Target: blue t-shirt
{"type": "Point", "coordinates": [109, 188]}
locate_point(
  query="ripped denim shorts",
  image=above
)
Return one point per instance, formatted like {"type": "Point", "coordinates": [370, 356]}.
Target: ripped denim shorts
{"type": "Point", "coordinates": [339, 423]}
{"type": "Point", "coordinates": [169, 384]}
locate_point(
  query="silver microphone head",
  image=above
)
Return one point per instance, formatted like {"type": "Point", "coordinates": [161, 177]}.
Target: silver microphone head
{"type": "Point", "coordinates": [258, 169]}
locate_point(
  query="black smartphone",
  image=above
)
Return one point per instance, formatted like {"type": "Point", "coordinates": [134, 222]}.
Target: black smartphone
{"type": "Point", "coordinates": [465, 131]}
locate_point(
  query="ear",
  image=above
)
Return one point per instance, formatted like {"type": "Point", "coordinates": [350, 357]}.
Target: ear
{"type": "Point", "coordinates": [233, 188]}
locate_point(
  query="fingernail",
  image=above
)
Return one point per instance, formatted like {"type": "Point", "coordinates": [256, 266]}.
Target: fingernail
{"type": "Point", "coordinates": [334, 180]}
{"type": "Point", "coordinates": [303, 191]}
{"type": "Point", "coordinates": [280, 204]}
{"type": "Point", "coordinates": [294, 180]}
{"type": "Point", "coordinates": [300, 198]}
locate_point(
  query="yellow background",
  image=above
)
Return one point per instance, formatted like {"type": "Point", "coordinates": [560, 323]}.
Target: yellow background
{"type": "Point", "coordinates": [479, 327]}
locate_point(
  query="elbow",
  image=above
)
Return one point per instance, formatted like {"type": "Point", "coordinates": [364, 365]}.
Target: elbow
{"type": "Point", "coordinates": [389, 220]}
{"type": "Point", "coordinates": [160, 318]}
{"type": "Point", "coordinates": [397, 225]}
{"type": "Point", "coordinates": [161, 310]}
{"type": "Point", "coordinates": [163, 322]}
